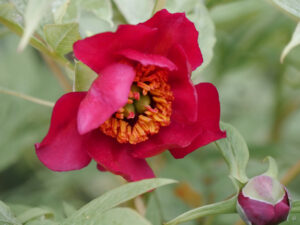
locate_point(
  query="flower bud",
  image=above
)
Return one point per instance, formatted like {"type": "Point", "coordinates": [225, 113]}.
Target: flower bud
{"type": "Point", "coordinates": [263, 201]}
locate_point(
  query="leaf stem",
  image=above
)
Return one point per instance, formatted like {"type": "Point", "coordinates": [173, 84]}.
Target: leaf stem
{"type": "Point", "coordinates": [26, 97]}
{"type": "Point", "coordinates": [224, 207]}
{"type": "Point", "coordinates": [295, 207]}
{"type": "Point", "coordinates": [293, 172]}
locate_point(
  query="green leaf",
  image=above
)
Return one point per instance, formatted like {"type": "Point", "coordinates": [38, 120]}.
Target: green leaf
{"type": "Point", "coordinates": [135, 11]}
{"type": "Point", "coordinates": [206, 28]}
{"type": "Point", "coordinates": [34, 213]}
{"type": "Point", "coordinates": [224, 207]}
{"type": "Point", "coordinates": [295, 41]}
{"type": "Point", "coordinates": [291, 7]}
{"type": "Point", "coordinates": [154, 211]}
{"type": "Point", "coordinates": [119, 216]}
{"type": "Point", "coordinates": [273, 169]}
{"type": "Point", "coordinates": [6, 215]}
{"type": "Point", "coordinates": [68, 209]}
{"type": "Point", "coordinates": [84, 77]}
{"type": "Point", "coordinates": [10, 18]}
{"type": "Point", "coordinates": [235, 152]}
{"type": "Point", "coordinates": [61, 37]}
{"type": "Point", "coordinates": [114, 198]}
{"type": "Point", "coordinates": [101, 9]}
{"type": "Point", "coordinates": [295, 207]}
{"type": "Point", "coordinates": [34, 12]}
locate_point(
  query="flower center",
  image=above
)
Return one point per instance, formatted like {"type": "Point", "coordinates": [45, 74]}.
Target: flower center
{"type": "Point", "coordinates": [149, 107]}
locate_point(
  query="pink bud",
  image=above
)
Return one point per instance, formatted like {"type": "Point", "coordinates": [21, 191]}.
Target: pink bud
{"type": "Point", "coordinates": [263, 201]}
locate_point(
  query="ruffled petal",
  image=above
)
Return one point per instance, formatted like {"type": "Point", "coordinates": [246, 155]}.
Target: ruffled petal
{"type": "Point", "coordinates": [148, 59]}
{"type": "Point", "coordinates": [208, 124]}
{"type": "Point", "coordinates": [108, 93]}
{"type": "Point", "coordinates": [62, 148]}
{"type": "Point", "coordinates": [116, 158]}
{"type": "Point", "coordinates": [183, 138]}
{"type": "Point", "coordinates": [98, 51]}
{"type": "Point", "coordinates": [185, 104]}
{"type": "Point", "coordinates": [175, 28]}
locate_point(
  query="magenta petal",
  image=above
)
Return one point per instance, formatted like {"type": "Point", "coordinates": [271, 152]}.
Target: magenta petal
{"type": "Point", "coordinates": [108, 93]}
{"type": "Point", "coordinates": [116, 157]}
{"type": "Point", "coordinates": [173, 29]}
{"type": "Point", "coordinates": [62, 148]}
{"type": "Point", "coordinates": [207, 126]}
{"type": "Point", "coordinates": [282, 210]}
{"type": "Point", "coordinates": [259, 213]}
{"type": "Point", "coordinates": [148, 59]}
{"type": "Point", "coordinates": [185, 104]}
{"type": "Point", "coordinates": [99, 51]}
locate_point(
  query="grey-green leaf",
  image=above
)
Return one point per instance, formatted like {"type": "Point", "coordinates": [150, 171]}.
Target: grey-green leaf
{"type": "Point", "coordinates": [119, 216]}
{"type": "Point", "coordinates": [7, 216]}
{"type": "Point", "coordinates": [61, 37]}
{"type": "Point", "coordinates": [206, 28]}
{"type": "Point", "coordinates": [84, 77]}
{"type": "Point", "coordinates": [235, 152]}
{"type": "Point", "coordinates": [135, 11]}
{"type": "Point", "coordinates": [34, 12]}
{"type": "Point", "coordinates": [273, 168]}
{"type": "Point", "coordinates": [291, 7]}
{"type": "Point", "coordinates": [295, 207]}
{"type": "Point", "coordinates": [295, 41]}
{"type": "Point", "coordinates": [114, 198]}
{"type": "Point", "coordinates": [224, 207]}
{"type": "Point", "coordinates": [34, 213]}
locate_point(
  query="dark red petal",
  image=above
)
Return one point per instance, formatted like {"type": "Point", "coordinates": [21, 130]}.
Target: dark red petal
{"type": "Point", "coordinates": [108, 93]}
{"type": "Point", "coordinates": [99, 50]}
{"type": "Point", "coordinates": [175, 29]}
{"type": "Point", "coordinates": [62, 149]}
{"type": "Point", "coordinates": [148, 59]}
{"type": "Point", "coordinates": [185, 104]}
{"type": "Point", "coordinates": [282, 210]}
{"type": "Point", "coordinates": [207, 126]}
{"type": "Point", "coordinates": [257, 212]}
{"type": "Point", "coordinates": [182, 138]}
{"type": "Point", "coordinates": [115, 157]}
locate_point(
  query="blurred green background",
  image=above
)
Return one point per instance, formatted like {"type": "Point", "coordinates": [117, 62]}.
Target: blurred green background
{"type": "Point", "coordinates": [259, 96]}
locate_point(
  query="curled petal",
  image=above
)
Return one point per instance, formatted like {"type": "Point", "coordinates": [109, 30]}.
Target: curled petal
{"type": "Point", "coordinates": [108, 93]}
{"type": "Point", "coordinates": [207, 126]}
{"type": "Point", "coordinates": [185, 104]}
{"type": "Point", "coordinates": [99, 51]}
{"type": "Point", "coordinates": [148, 59]}
{"type": "Point", "coordinates": [173, 29]}
{"type": "Point", "coordinates": [116, 157]}
{"type": "Point", "coordinates": [62, 148]}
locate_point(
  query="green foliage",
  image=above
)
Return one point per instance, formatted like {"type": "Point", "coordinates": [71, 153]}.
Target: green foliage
{"type": "Point", "coordinates": [291, 7]}
{"type": "Point", "coordinates": [62, 36]}
{"type": "Point", "coordinates": [235, 152]}
{"type": "Point", "coordinates": [120, 216]}
{"type": "Point", "coordinates": [295, 41]}
{"type": "Point", "coordinates": [135, 11]}
{"type": "Point", "coordinates": [6, 215]}
{"type": "Point", "coordinates": [114, 198]}
{"type": "Point", "coordinates": [84, 77]}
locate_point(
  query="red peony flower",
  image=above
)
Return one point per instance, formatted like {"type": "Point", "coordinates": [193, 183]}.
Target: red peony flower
{"type": "Point", "coordinates": [142, 103]}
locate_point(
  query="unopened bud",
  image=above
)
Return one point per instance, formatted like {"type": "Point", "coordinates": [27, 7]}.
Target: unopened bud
{"type": "Point", "coordinates": [263, 201]}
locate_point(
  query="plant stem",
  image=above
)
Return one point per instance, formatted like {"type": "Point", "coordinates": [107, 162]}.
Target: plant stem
{"type": "Point", "coordinates": [64, 82]}
{"type": "Point", "coordinates": [26, 97]}
{"type": "Point", "coordinates": [140, 205]}
{"type": "Point", "coordinates": [37, 44]}
{"type": "Point", "coordinates": [293, 172]}
{"type": "Point", "coordinates": [227, 206]}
